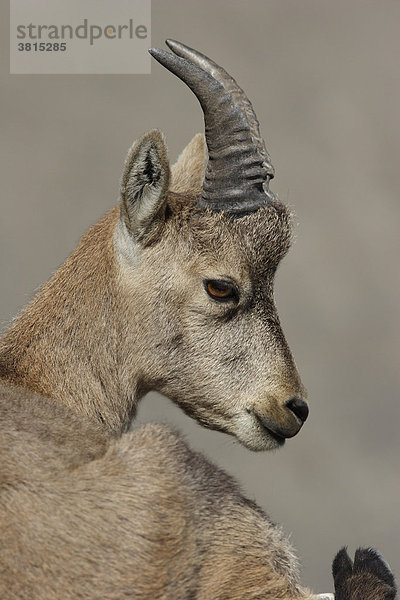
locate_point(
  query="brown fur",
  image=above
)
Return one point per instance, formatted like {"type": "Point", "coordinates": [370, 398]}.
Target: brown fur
{"type": "Point", "coordinates": [85, 516]}
{"type": "Point", "coordinates": [188, 171]}
{"type": "Point", "coordinates": [88, 510]}
{"type": "Point", "coordinates": [125, 308]}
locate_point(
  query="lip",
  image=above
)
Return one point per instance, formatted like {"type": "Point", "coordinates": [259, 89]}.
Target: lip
{"type": "Point", "coordinates": [280, 440]}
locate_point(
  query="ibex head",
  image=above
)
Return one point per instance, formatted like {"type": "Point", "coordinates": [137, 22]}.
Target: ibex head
{"type": "Point", "coordinates": [198, 250]}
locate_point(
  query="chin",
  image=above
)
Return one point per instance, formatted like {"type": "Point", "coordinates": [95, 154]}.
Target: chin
{"type": "Point", "coordinates": [259, 441]}
{"type": "Point", "coordinates": [251, 434]}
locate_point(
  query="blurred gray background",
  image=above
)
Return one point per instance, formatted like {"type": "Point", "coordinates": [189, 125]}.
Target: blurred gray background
{"type": "Point", "coordinates": [324, 78]}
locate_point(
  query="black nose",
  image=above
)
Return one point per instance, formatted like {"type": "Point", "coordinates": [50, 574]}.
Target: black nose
{"type": "Point", "coordinates": [299, 408]}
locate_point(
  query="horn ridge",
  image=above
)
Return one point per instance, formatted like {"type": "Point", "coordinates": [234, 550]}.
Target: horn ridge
{"type": "Point", "coordinates": [230, 84]}
{"type": "Point", "coordinates": [237, 174]}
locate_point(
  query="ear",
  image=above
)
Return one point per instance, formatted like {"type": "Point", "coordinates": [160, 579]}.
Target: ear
{"type": "Point", "coordinates": [187, 173]}
{"type": "Point", "coordinates": [144, 186]}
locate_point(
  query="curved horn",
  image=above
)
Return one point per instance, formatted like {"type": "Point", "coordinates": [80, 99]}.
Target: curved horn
{"type": "Point", "coordinates": [233, 88]}
{"type": "Point", "coordinates": [237, 171]}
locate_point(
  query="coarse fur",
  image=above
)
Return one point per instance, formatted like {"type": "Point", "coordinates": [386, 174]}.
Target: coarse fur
{"type": "Point", "coordinates": [367, 578]}
{"type": "Point", "coordinates": [90, 510]}
{"type": "Point", "coordinates": [129, 305]}
{"type": "Point", "coordinates": [85, 516]}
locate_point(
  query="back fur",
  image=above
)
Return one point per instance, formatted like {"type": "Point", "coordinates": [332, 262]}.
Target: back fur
{"type": "Point", "coordinates": [143, 516]}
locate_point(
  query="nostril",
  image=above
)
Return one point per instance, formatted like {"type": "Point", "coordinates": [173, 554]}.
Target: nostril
{"type": "Point", "coordinates": [299, 408]}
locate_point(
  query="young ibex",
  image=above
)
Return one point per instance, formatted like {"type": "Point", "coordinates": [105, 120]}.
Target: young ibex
{"type": "Point", "coordinates": [171, 291]}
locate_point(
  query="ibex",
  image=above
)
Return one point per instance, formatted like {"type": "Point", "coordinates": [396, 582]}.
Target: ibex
{"type": "Point", "coordinates": [171, 291]}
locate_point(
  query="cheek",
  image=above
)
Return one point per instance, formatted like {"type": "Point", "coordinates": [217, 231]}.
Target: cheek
{"type": "Point", "coordinates": [215, 363]}
{"type": "Point", "coordinates": [236, 359]}
{"type": "Point", "coordinates": [204, 353]}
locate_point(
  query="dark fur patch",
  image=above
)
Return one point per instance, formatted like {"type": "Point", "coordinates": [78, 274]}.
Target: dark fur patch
{"type": "Point", "coordinates": [368, 578]}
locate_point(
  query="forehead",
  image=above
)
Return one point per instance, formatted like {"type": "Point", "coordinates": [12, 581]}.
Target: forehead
{"type": "Point", "coordinates": [256, 242]}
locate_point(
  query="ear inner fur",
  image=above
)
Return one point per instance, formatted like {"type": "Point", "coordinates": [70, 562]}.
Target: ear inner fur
{"type": "Point", "coordinates": [144, 185]}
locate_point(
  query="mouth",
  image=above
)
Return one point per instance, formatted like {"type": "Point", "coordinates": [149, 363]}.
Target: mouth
{"type": "Point", "coordinates": [279, 439]}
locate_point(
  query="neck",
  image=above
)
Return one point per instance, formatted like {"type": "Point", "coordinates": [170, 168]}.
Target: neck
{"type": "Point", "coordinates": [66, 344]}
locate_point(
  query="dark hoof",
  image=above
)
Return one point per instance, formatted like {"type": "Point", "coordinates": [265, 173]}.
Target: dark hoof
{"type": "Point", "coordinates": [368, 578]}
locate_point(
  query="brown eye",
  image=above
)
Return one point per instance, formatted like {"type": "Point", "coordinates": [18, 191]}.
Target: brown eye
{"type": "Point", "coordinates": [221, 290]}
